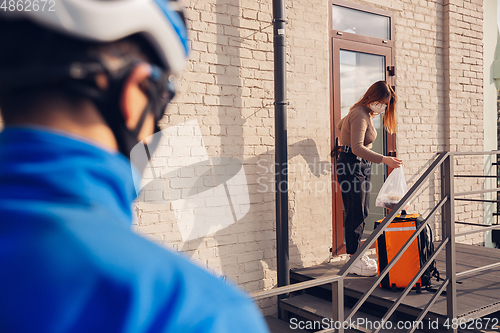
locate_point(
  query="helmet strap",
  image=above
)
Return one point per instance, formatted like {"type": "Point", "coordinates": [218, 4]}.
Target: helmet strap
{"type": "Point", "coordinates": [108, 105]}
{"type": "Point", "coordinates": [80, 78]}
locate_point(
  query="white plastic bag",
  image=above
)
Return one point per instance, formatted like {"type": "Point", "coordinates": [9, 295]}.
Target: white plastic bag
{"type": "Point", "coordinates": [393, 190]}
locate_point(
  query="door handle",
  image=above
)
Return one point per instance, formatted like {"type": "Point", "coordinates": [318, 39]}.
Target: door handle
{"type": "Point", "coordinates": [392, 153]}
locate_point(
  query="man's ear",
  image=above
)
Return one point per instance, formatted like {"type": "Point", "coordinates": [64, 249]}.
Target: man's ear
{"type": "Point", "coordinates": [133, 100]}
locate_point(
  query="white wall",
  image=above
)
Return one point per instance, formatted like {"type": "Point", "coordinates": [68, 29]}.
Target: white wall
{"type": "Point", "coordinates": [490, 43]}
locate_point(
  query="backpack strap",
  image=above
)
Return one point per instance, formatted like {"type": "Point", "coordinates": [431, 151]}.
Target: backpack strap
{"type": "Point", "coordinates": [433, 269]}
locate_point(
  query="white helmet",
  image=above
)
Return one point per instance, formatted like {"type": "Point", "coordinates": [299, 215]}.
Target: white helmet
{"type": "Point", "coordinates": [160, 22]}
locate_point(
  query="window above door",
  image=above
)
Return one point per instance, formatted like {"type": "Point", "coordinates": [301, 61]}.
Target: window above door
{"type": "Point", "coordinates": [361, 23]}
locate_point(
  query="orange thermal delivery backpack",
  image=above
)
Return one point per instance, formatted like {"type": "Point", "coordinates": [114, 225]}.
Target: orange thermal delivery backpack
{"type": "Point", "coordinates": [392, 240]}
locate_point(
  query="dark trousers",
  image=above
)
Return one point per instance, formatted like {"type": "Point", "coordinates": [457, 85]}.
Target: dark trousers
{"type": "Point", "coordinates": [354, 176]}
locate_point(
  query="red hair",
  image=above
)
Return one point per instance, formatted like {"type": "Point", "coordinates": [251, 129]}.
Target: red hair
{"type": "Point", "coordinates": [379, 92]}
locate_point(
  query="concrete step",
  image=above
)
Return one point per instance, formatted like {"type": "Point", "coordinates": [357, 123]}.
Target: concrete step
{"type": "Point", "coordinates": [279, 326]}
{"type": "Point", "coordinates": [310, 313]}
{"type": "Point", "coordinates": [314, 314]}
{"type": "Point", "coordinates": [374, 305]}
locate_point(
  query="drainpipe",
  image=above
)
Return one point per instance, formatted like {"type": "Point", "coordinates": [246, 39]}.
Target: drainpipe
{"type": "Point", "coordinates": [281, 158]}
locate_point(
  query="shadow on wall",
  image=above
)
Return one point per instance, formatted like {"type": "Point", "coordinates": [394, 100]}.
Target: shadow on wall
{"type": "Point", "coordinates": [224, 198]}
{"type": "Point", "coordinates": [247, 246]}
{"type": "Point", "coordinates": [209, 194]}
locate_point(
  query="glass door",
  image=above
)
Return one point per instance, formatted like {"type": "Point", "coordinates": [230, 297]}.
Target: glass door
{"type": "Point", "coordinates": [356, 66]}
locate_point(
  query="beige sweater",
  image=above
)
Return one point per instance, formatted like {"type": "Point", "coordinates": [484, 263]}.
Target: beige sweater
{"type": "Point", "coordinates": [357, 131]}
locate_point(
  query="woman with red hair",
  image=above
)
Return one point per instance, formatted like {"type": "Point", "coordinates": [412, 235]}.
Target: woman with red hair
{"type": "Point", "coordinates": [357, 134]}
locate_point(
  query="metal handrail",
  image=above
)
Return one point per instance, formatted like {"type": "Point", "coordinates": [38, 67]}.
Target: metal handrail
{"type": "Point", "coordinates": [475, 176]}
{"type": "Point", "coordinates": [390, 217]}
{"type": "Point", "coordinates": [450, 281]}
{"type": "Point", "coordinates": [477, 270]}
{"type": "Point", "coordinates": [482, 229]}
{"type": "Point", "coordinates": [295, 287]}
{"type": "Point", "coordinates": [446, 161]}
{"type": "Point", "coordinates": [466, 153]}
{"type": "Point", "coordinates": [368, 242]}
{"type": "Point", "coordinates": [385, 223]}
{"type": "Point", "coordinates": [430, 304]}
{"type": "Point", "coordinates": [412, 283]}
{"type": "Point", "coordinates": [489, 190]}
{"type": "Point", "coordinates": [472, 224]}
{"type": "Point", "coordinates": [442, 157]}
{"type": "Point", "coordinates": [477, 200]}
{"type": "Point", "coordinates": [393, 261]}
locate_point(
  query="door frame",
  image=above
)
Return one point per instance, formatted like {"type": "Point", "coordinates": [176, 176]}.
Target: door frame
{"type": "Point", "coordinates": [352, 42]}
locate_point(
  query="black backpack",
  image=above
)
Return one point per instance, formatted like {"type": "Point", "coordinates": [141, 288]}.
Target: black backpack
{"type": "Point", "coordinates": [426, 249]}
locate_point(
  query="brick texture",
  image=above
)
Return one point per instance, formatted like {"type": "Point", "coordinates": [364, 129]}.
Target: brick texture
{"type": "Point", "coordinates": [464, 113]}
{"type": "Point", "coordinates": [228, 89]}
{"type": "Point", "coordinates": [438, 55]}
{"type": "Point", "coordinates": [224, 112]}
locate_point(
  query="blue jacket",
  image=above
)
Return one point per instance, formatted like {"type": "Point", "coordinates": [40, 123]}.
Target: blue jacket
{"type": "Point", "coordinates": [69, 261]}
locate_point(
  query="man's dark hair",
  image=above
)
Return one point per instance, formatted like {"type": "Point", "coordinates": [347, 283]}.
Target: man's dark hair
{"type": "Point", "coordinates": [27, 45]}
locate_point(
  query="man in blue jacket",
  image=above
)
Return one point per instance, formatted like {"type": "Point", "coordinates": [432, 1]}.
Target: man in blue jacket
{"type": "Point", "coordinates": [80, 85]}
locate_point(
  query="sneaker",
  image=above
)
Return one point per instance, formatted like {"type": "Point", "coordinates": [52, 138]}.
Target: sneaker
{"type": "Point", "coordinates": [364, 267]}
{"type": "Point", "coordinates": [373, 262]}
{"type": "Point", "coordinates": [365, 258]}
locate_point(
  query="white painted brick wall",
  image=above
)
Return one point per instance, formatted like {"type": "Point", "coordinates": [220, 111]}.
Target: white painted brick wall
{"type": "Point", "coordinates": [423, 127]}
{"type": "Point", "coordinates": [466, 106]}
{"type": "Point", "coordinates": [228, 89]}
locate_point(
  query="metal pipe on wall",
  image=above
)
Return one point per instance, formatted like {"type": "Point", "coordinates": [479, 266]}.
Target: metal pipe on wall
{"type": "Point", "coordinates": [281, 156]}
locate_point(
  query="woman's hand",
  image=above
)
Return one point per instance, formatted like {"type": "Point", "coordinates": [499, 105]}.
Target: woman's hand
{"type": "Point", "coordinates": [392, 162]}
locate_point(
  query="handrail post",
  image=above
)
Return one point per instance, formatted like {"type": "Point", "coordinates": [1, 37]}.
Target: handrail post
{"type": "Point", "coordinates": [448, 231]}
{"type": "Point", "coordinates": [338, 306]}
{"type": "Point", "coordinates": [498, 193]}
